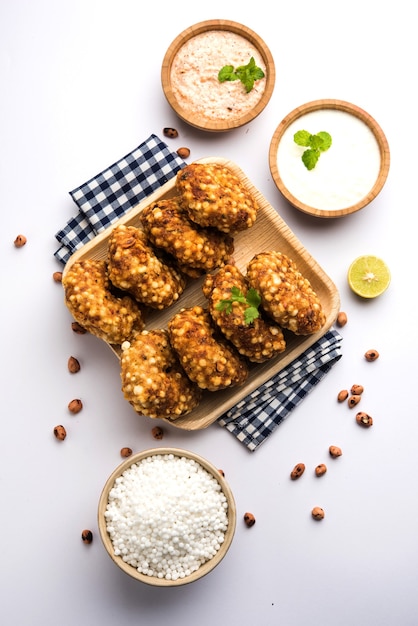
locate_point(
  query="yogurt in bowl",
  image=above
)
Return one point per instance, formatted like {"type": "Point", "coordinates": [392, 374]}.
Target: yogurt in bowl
{"type": "Point", "coordinates": [347, 176]}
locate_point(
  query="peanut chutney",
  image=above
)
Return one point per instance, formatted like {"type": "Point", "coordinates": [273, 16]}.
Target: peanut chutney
{"type": "Point", "coordinates": [194, 76]}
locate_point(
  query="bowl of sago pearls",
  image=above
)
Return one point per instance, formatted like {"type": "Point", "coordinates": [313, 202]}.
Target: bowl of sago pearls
{"type": "Point", "coordinates": [166, 516]}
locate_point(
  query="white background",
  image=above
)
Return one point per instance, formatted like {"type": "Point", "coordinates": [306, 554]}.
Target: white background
{"type": "Point", "coordinates": [80, 88]}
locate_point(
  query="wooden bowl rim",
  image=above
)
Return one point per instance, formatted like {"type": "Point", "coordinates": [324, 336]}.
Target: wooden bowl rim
{"type": "Point", "coordinates": [203, 569]}
{"type": "Point", "coordinates": [341, 105]}
{"type": "Point", "coordinates": [197, 29]}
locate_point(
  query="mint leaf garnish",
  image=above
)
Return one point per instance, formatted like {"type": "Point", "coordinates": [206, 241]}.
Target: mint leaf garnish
{"type": "Point", "coordinates": [247, 74]}
{"type": "Point", "coordinates": [315, 144]}
{"type": "Point", "coordinates": [252, 299]}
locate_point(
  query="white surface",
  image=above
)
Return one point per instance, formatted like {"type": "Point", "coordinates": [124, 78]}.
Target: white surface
{"type": "Point", "coordinates": [80, 84]}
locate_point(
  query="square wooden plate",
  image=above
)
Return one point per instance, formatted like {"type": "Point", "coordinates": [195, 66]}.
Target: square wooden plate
{"type": "Point", "coordinates": [269, 232]}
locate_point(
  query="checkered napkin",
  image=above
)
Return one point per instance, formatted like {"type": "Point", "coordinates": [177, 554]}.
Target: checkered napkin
{"type": "Point", "coordinates": [108, 196]}
{"type": "Point", "coordinates": [255, 417]}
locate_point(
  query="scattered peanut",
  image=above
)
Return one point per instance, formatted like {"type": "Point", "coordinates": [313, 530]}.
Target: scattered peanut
{"type": "Point", "coordinates": [371, 355]}
{"type": "Point", "coordinates": [87, 536]}
{"type": "Point", "coordinates": [125, 452]}
{"type": "Point", "coordinates": [183, 153]}
{"type": "Point", "coordinates": [353, 400]}
{"type": "Point", "coordinates": [57, 276]}
{"type": "Point", "coordinates": [357, 390]}
{"type": "Point", "coordinates": [249, 519]}
{"type": "Point", "coordinates": [297, 471]}
{"type": "Point", "coordinates": [335, 451]}
{"type": "Point", "coordinates": [75, 406]}
{"type": "Point", "coordinates": [342, 318]}
{"type": "Point", "coordinates": [343, 395]}
{"type": "Point", "coordinates": [318, 513]}
{"type": "Point", "coordinates": [320, 469]}
{"type": "Point", "coordinates": [73, 365]}
{"type": "Point", "coordinates": [20, 241]}
{"type": "Point", "coordinates": [157, 432]}
{"type": "Point", "coordinates": [60, 432]}
{"type": "Point", "coordinates": [78, 329]}
{"type": "Point", "coordinates": [364, 419]}
{"type": "Point", "coordinates": [170, 132]}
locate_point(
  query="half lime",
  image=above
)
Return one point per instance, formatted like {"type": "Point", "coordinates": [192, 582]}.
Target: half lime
{"type": "Point", "coordinates": [368, 276]}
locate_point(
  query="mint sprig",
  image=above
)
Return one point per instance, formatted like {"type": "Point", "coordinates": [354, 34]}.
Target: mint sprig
{"type": "Point", "coordinates": [315, 144]}
{"type": "Point", "coordinates": [252, 300]}
{"type": "Point", "coordinates": [247, 74]}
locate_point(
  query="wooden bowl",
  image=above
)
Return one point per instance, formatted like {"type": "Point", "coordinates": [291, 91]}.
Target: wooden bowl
{"type": "Point", "coordinates": [231, 120]}
{"type": "Point", "coordinates": [348, 176]}
{"type": "Point", "coordinates": [204, 569]}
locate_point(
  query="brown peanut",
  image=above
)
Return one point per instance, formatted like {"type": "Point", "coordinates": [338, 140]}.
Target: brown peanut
{"type": "Point", "coordinates": [371, 355]}
{"type": "Point", "coordinates": [297, 471]}
{"type": "Point", "coordinates": [87, 536]}
{"type": "Point", "coordinates": [125, 452]}
{"type": "Point", "coordinates": [170, 132]}
{"type": "Point", "coordinates": [20, 241]}
{"type": "Point", "coordinates": [320, 469]}
{"type": "Point", "coordinates": [73, 365]}
{"type": "Point", "coordinates": [249, 519]}
{"type": "Point", "coordinates": [60, 432]}
{"type": "Point", "coordinates": [335, 451]}
{"type": "Point", "coordinates": [75, 406]}
{"type": "Point", "coordinates": [222, 473]}
{"type": "Point", "coordinates": [364, 419]}
{"type": "Point", "coordinates": [318, 513]}
{"type": "Point", "coordinates": [183, 153]}
{"type": "Point", "coordinates": [357, 390]}
{"type": "Point", "coordinates": [57, 276]}
{"type": "Point", "coordinates": [157, 432]}
{"type": "Point", "coordinates": [78, 329]}
{"type": "Point", "coordinates": [343, 395]}
{"type": "Point", "coordinates": [353, 401]}
{"type": "Point", "coordinates": [341, 319]}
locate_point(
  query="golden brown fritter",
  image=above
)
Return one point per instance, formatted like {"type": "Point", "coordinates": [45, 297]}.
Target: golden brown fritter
{"type": "Point", "coordinates": [213, 196]}
{"type": "Point", "coordinates": [89, 299]}
{"type": "Point", "coordinates": [286, 295]}
{"type": "Point", "coordinates": [208, 360]}
{"type": "Point", "coordinates": [258, 341]}
{"type": "Point", "coordinates": [134, 267]}
{"type": "Point", "coordinates": [197, 250]}
{"type": "Point", "coordinates": [152, 379]}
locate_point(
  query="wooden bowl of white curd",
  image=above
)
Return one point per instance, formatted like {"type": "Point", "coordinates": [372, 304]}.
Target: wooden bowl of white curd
{"type": "Point", "coordinates": [166, 516]}
{"type": "Point", "coordinates": [190, 75]}
{"type": "Point", "coordinates": [347, 176]}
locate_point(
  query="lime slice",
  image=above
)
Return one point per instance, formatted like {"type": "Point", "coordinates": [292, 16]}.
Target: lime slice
{"type": "Point", "coordinates": [368, 276]}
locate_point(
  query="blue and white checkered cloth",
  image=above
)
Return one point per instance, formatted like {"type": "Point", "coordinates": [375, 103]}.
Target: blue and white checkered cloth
{"type": "Point", "coordinates": [255, 417]}
{"type": "Point", "coordinates": [108, 196]}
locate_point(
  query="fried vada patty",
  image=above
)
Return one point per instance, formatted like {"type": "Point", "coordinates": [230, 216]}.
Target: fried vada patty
{"type": "Point", "coordinates": [286, 295]}
{"type": "Point", "coordinates": [133, 266]}
{"type": "Point", "coordinates": [208, 360]}
{"type": "Point", "coordinates": [152, 379]}
{"type": "Point", "coordinates": [89, 298]}
{"type": "Point", "coordinates": [197, 250]}
{"type": "Point", "coordinates": [213, 196]}
{"type": "Point", "coordinates": [258, 341]}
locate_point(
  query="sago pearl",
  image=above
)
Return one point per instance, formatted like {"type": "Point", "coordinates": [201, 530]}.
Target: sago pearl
{"type": "Point", "coordinates": [166, 516]}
